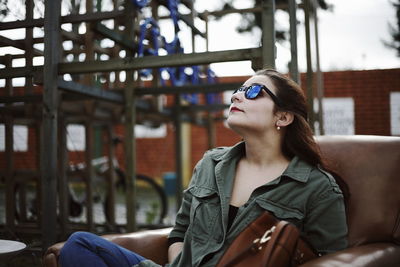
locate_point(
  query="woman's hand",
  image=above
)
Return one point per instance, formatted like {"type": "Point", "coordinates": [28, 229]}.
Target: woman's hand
{"type": "Point", "coordinates": [174, 250]}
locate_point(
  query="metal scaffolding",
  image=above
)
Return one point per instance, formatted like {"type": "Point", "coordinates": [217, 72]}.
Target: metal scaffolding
{"type": "Point", "coordinates": [94, 95]}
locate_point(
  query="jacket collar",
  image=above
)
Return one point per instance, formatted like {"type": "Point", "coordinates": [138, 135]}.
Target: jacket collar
{"type": "Point", "coordinates": [227, 153]}
{"type": "Point", "coordinates": [297, 169]}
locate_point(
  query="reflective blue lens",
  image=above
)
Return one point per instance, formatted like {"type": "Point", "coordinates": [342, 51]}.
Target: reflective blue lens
{"type": "Point", "coordinates": [253, 91]}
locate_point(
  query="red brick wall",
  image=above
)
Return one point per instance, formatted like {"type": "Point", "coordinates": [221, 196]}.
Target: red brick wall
{"type": "Point", "coordinates": [370, 90]}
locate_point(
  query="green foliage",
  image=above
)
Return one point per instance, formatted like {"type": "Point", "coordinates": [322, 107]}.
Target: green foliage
{"type": "Point", "coordinates": [3, 9]}
{"type": "Point", "coordinates": [250, 21]}
{"type": "Point", "coordinates": [395, 30]}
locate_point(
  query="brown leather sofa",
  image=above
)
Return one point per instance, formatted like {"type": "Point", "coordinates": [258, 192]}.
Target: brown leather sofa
{"type": "Point", "coordinates": [371, 167]}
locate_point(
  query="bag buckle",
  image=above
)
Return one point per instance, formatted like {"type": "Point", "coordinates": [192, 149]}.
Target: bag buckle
{"type": "Point", "coordinates": [258, 242]}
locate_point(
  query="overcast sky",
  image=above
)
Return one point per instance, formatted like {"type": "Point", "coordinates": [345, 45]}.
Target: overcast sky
{"type": "Point", "coordinates": [350, 37]}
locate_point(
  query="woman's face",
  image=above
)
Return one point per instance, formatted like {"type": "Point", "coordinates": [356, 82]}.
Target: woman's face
{"type": "Point", "coordinates": [253, 114]}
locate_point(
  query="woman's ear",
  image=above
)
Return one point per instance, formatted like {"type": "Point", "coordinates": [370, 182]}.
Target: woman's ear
{"type": "Point", "coordinates": [284, 118]}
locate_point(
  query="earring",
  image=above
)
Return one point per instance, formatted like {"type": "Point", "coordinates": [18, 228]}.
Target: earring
{"type": "Point", "coordinates": [278, 128]}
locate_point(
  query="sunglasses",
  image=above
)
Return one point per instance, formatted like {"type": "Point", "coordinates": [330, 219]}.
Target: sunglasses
{"type": "Point", "coordinates": [254, 90]}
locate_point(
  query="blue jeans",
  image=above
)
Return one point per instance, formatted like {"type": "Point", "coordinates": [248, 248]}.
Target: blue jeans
{"type": "Point", "coordinates": [87, 249]}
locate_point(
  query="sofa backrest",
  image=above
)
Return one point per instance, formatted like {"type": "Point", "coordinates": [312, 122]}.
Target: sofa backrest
{"type": "Point", "coordinates": [370, 165]}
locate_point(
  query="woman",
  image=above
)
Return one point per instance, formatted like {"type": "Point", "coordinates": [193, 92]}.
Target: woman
{"type": "Point", "coordinates": [277, 168]}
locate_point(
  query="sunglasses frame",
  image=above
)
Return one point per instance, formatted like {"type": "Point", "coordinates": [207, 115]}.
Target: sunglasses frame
{"type": "Point", "coordinates": [246, 90]}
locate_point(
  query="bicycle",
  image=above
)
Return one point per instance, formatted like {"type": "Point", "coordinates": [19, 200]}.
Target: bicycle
{"type": "Point", "coordinates": [151, 200]}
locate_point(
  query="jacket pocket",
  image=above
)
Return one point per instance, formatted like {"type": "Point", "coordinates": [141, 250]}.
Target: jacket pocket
{"type": "Point", "coordinates": [282, 212]}
{"type": "Point", "coordinates": [204, 212]}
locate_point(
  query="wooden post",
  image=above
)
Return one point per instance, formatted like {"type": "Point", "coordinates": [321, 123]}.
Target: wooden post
{"type": "Point", "coordinates": [309, 81]}
{"type": "Point", "coordinates": [115, 49]}
{"type": "Point", "coordinates": [320, 81]}
{"type": "Point", "coordinates": [9, 155]}
{"type": "Point", "coordinates": [29, 45]}
{"type": "Point", "coordinates": [178, 150]}
{"type": "Point", "coordinates": [130, 121]}
{"type": "Point", "coordinates": [75, 45]}
{"type": "Point", "coordinates": [111, 177]}
{"type": "Point", "coordinates": [211, 130]}
{"type": "Point", "coordinates": [268, 34]}
{"type": "Point", "coordinates": [50, 115]}
{"type": "Point", "coordinates": [63, 196]}
{"type": "Point", "coordinates": [293, 66]}
{"type": "Point", "coordinates": [89, 172]}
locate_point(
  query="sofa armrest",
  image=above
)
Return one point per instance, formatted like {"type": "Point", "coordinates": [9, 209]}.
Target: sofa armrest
{"type": "Point", "coordinates": [151, 244]}
{"type": "Point", "coordinates": [376, 254]}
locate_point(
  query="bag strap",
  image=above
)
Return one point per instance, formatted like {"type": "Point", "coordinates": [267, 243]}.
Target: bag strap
{"type": "Point", "coordinates": [235, 253]}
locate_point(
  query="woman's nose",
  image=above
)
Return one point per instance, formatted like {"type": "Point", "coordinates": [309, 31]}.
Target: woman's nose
{"type": "Point", "coordinates": [237, 97]}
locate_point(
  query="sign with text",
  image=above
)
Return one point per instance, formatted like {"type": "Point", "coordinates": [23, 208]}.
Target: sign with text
{"type": "Point", "coordinates": [20, 138]}
{"type": "Point", "coordinates": [338, 115]}
{"type": "Point", "coordinates": [395, 113]}
{"type": "Point", "coordinates": [142, 131]}
{"type": "Point", "coordinates": [76, 137]}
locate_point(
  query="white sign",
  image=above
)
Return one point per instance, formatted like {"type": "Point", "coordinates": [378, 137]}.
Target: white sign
{"type": "Point", "coordinates": [395, 113]}
{"type": "Point", "coordinates": [338, 115]}
{"type": "Point", "coordinates": [20, 136]}
{"type": "Point", "coordinates": [142, 131]}
{"type": "Point", "coordinates": [76, 137]}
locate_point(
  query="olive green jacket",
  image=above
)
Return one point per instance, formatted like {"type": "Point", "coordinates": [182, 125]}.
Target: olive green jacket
{"type": "Point", "coordinates": [303, 195]}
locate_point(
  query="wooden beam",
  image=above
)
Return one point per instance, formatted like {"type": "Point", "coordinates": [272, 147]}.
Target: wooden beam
{"type": "Point", "coordinates": [18, 44]}
{"type": "Point", "coordinates": [189, 21]}
{"type": "Point", "coordinates": [120, 39]}
{"type": "Point", "coordinates": [91, 91]}
{"type": "Point", "coordinates": [20, 72]}
{"type": "Point", "coordinates": [21, 98]}
{"type": "Point", "coordinates": [187, 89]}
{"type": "Point", "coordinates": [174, 60]}
{"type": "Point", "coordinates": [75, 18]}
{"type": "Point", "coordinates": [210, 107]}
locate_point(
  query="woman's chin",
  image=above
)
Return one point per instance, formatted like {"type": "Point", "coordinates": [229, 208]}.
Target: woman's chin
{"type": "Point", "coordinates": [236, 125]}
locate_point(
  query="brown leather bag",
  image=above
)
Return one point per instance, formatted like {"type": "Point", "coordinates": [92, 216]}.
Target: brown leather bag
{"type": "Point", "coordinates": [267, 242]}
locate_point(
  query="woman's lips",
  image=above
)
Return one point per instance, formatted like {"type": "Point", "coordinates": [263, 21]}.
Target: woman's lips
{"type": "Point", "coordinates": [235, 109]}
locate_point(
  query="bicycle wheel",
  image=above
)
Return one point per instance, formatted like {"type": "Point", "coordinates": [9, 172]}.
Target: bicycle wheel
{"type": "Point", "coordinates": [151, 201]}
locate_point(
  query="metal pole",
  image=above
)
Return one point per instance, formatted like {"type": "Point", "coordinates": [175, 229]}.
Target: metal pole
{"type": "Point", "coordinates": [178, 150]}
{"type": "Point", "coordinates": [89, 172]}
{"type": "Point", "coordinates": [9, 153]}
{"type": "Point", "coordinates": [63, 196]}
{"type": "Point", "coordinates": [310, 93]}
{"type": "Point", "coordinates": [294, 65]}
{"type": "Point", "coordinates": [111, 177]}
{"type": "Point", "coordinates": [320, 81]}
{"type": "Point", "coordinates": [49, 124]}
{"type": "Point", "coordinates": [268, 34]}
{"type": "Point", "coordinates": [130, 121]}
{"type": "Point", "coordinates": [29, 45]}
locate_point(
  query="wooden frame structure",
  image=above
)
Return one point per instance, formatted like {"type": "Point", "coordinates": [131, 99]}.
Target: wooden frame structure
{"type": "Point", "coordinates": [80, 100]}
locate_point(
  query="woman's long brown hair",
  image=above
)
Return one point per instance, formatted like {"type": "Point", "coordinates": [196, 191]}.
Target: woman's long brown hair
{"type": "Point", "coordinates": [299, 140]}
